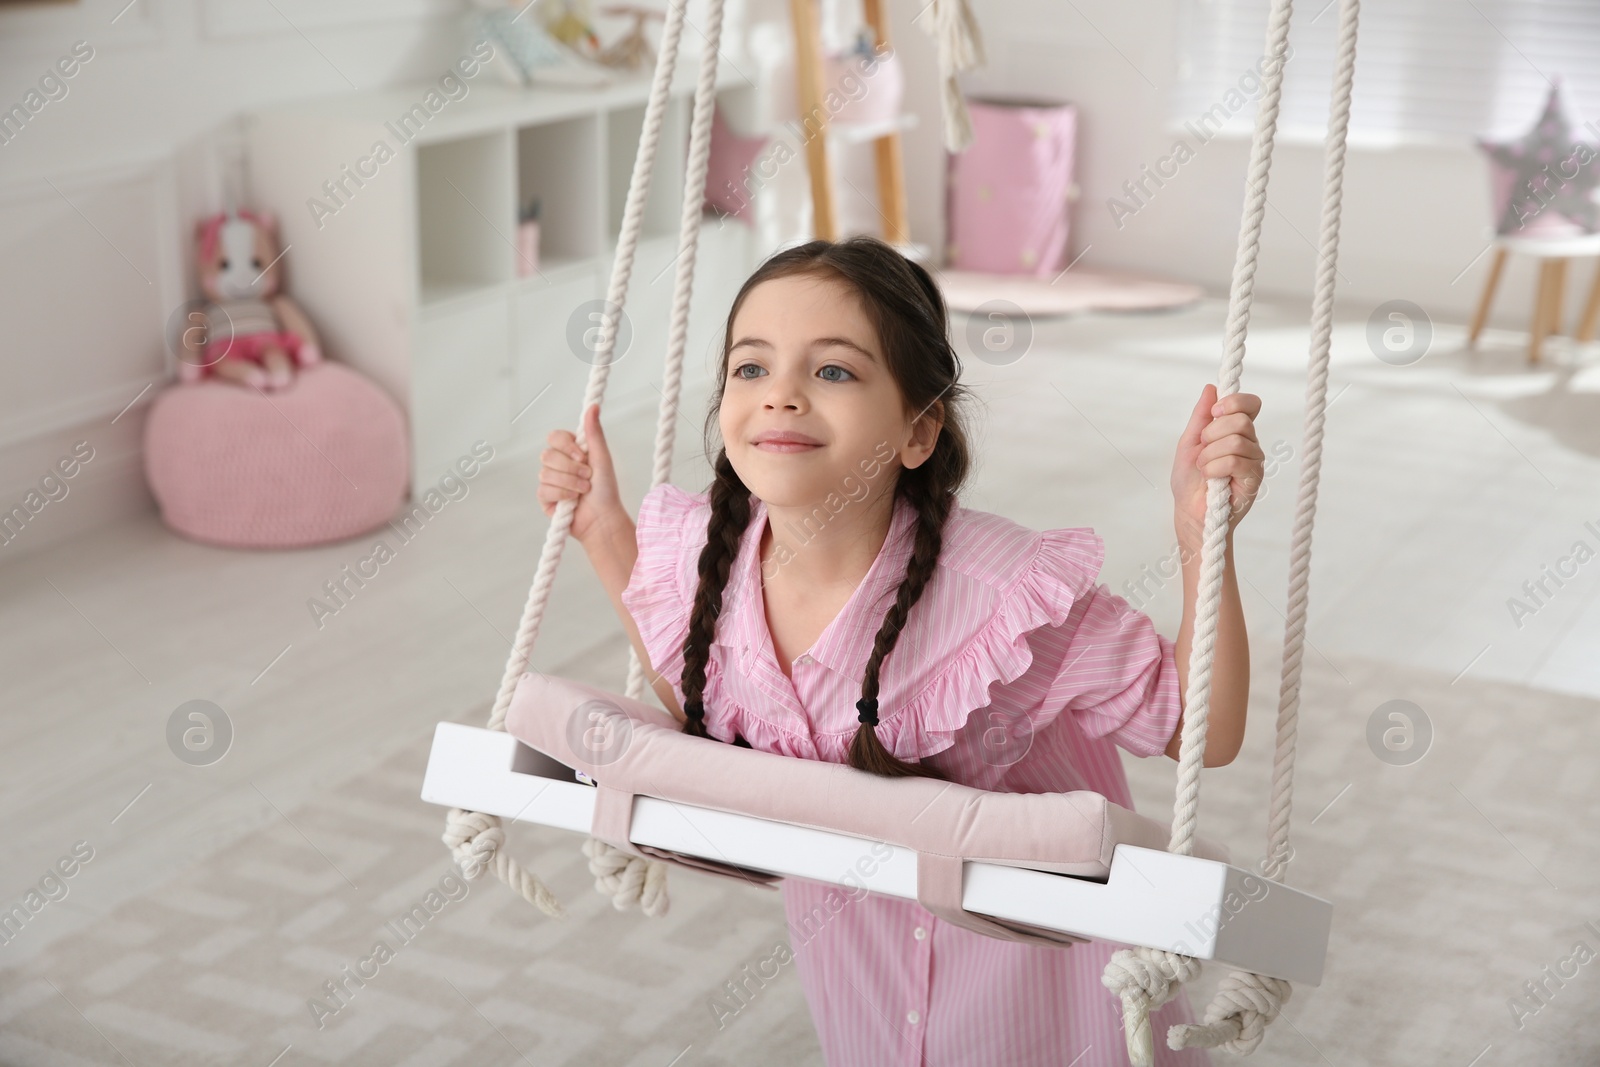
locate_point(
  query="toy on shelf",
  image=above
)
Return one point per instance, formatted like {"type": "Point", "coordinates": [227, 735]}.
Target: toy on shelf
{"type": "Point", "coordinates": [249, 333]}
{"type": "Point", "coordinates": [557, 48]}
{"type": "Point", "coordinates": [568, 22]}
{"type": "Point", "coordinates": [631, 51]}
{"type": "Point", "coordinates": [868, 86]}
{"type": "Point", "coordinates": [528, 239]}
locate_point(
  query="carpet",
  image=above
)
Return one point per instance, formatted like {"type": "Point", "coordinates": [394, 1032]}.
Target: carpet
{"type": "Point", "coordinates": [1456, 880]}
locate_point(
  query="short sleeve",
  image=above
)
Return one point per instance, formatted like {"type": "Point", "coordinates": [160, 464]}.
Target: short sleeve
{"type": "Point", "coordinates": [1118, 677]}
{"type": "Point", "coordinates": [670, 531]}
{"type": "Point", "coordinates": [1058, 641]}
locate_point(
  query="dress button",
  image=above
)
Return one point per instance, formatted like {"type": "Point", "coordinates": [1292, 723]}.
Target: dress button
{"type": "Point", "coordinates": [912, 1017]}
{"type": "Point", "coordinates": [806, 659]}
{"type": "Point", "coordinates": [919, 933]}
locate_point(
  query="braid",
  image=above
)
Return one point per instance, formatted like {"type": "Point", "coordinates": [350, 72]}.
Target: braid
{"type": "Point", "coordinates": [933, 507]}
{"type": "Point", "coordinates": [730, 515]}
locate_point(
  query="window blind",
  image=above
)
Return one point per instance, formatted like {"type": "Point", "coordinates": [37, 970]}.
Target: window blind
{"type": "Point", "coordinates": [1427, 71]}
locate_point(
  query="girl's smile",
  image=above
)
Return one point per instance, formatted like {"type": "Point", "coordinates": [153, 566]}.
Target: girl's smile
{"type": "Point", "coordinates": [782, 441]}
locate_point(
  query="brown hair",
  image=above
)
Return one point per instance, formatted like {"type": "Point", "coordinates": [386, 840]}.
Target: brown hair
{"type": "Point", "coordinates": [908, 312]}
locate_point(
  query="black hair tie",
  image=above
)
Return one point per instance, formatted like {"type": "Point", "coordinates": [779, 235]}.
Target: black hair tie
{"type": "Point", "coordinates": [868, 707]}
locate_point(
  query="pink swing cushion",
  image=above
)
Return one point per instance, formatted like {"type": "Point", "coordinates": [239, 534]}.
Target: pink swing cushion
{"type": "Point", "coordinates": [640, 749]}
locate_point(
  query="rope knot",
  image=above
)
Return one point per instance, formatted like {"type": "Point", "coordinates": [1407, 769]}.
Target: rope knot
{"type": "Point", "coordinates": [628, 879]}
{"type": "Point", "coordinates": [1145, 979]}
{"type": "Point", "coordinates": [474, 840]}
{"type": "Point", "coordinates": [1237, 1017]}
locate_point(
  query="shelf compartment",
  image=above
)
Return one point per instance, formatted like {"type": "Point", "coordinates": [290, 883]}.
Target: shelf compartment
{"type": "Point", "coordinates": [624, 128]}
{"type": "Point", "coordinates": [466, 215]}
{"type": "Point", "coordinates": [557, 162]}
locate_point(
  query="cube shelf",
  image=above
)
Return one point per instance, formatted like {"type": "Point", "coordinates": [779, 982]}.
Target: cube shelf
{"type": "Point", "coordinates": [410, 266]}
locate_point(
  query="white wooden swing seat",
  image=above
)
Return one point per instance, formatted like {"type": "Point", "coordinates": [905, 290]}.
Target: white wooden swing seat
{"type": "Point", "coordinates": [1042, 868]}
{"type": "Point", "coordinates": [1067, 865]}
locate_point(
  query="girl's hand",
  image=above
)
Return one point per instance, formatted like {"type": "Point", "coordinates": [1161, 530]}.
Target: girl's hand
{"type": "Point", "coordinates": [1219, 442]}
{"type": "Point", "coordinates": [568, 471]}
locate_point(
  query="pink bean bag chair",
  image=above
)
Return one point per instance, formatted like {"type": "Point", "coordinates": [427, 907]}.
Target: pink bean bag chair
{"type": "Point", "coordinates": [325, 459]}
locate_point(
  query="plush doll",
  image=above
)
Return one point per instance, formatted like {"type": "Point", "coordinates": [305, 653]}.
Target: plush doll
{"type": "Point", "coordinates": [249, 333]}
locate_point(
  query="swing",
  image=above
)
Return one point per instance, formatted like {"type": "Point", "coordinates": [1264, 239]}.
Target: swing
{"type": "Point", "coordinates": [1051, 868]}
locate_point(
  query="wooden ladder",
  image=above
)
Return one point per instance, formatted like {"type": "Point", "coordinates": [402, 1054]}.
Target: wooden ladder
{"type": "Point", "coordinates": [811, 77]}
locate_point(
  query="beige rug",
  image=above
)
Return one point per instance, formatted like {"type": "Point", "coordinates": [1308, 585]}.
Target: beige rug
{"type": "Point", "coordinates": [1435, 931]}
{"type": "Point", "coordinates": [1077, 290]}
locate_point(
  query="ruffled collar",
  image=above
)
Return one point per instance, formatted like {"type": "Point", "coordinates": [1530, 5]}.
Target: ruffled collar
{"type": "Point", "coordinates": [845, 645]}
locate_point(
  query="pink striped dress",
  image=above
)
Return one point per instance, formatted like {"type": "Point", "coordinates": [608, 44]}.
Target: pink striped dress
{"type": "Point", "coordinates": [1013, 624]}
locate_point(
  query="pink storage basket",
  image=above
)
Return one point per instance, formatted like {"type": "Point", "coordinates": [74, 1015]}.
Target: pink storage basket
{"type": "Point", "coordinates": [323, 460]}
{"type": "Point", "coordinates": [1008, 192]}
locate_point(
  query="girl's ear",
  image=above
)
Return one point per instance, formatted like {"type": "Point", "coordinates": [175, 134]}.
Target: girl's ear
{"type": "Point", "coordinates": [924, 436]}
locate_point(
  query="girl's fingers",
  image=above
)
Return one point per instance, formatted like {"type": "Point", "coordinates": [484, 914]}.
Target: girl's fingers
{"type": "Point", "coordinates": [1224, 425]}
{"type": "Point", "coordinates": [1197, 418]}
{"type": "Point", "coordinates": [1235, 467]}
{"type": "Point", "coordinates": [564, 484]}
{"type": "Point", "coordinates": [562, 461]}
{"type": "Point", "coordinates": [597, 433]}
{"type": "Point", "coordinates": [564, 442]}
{"type": "Point", "coordinates": [1249, 403]}
{"type": "Point", "coordinates": [1230, 446]}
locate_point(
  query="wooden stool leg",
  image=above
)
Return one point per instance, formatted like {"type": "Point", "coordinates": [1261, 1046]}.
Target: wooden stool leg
{"type": "Point", "coordinates": [1482, 314]}
{"type": "Point", "coordinates": [1541, 309]}
{"type": "Point", "coordinates": [891, 163]}
{"type": "Point", "coordinates": [810, 83]}
{"type": "Point", "coordinates": [1557, 295]}
{"type": "Point", "coordinates": [1591, 309]}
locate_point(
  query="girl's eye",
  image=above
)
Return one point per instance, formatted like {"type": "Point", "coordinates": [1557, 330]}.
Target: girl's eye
{"type": "Point", "coordinates": [835, 366]}
{"type": "Point", "coordinates": [740, 371]}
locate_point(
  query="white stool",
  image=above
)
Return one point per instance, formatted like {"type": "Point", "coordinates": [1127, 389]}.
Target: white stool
{"type": "Point", "coordinates": [1552, 253]}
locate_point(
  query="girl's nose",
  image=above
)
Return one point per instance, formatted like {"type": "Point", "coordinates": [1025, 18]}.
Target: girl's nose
{"type": "Point", "coordinates": [785, 392]}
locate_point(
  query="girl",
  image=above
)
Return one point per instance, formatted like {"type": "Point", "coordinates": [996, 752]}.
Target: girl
{"type": "Point", "coordinates": [828, 598]}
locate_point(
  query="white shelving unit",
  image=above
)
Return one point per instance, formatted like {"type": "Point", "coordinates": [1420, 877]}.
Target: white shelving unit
{"type": "Point", "coordinates": [401, 246]}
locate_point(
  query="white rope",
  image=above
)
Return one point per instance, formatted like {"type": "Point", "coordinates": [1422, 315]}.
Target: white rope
{"type": "Point", "coordinates": [960, 46]}
{"type": "Point", "coordinates": [1247, 1003]}
{"type": "Point", "coordinates": [1145, 978]}
{"type": "Point", "coordinates": [479, 835]}
{"type": "Point", "coordinates": [645, 881]}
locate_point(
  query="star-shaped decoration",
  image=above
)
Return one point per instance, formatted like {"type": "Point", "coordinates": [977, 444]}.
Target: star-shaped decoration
{"type": "Point", "coordinates": [1546, 176]}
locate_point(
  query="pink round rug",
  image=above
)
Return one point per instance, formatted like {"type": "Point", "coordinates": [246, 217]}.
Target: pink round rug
{"type": "Point", "coordinates": [323, 460]}
{"type": "Point", "coordinates": [1079, 289]}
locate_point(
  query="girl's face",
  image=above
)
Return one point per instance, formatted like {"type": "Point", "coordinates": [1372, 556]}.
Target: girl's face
{"type": "Point", "coordinates": [805, 363]}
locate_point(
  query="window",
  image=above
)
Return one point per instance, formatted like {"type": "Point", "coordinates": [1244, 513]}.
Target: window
{"type": "Point", "coordinates": [1427, 71]}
